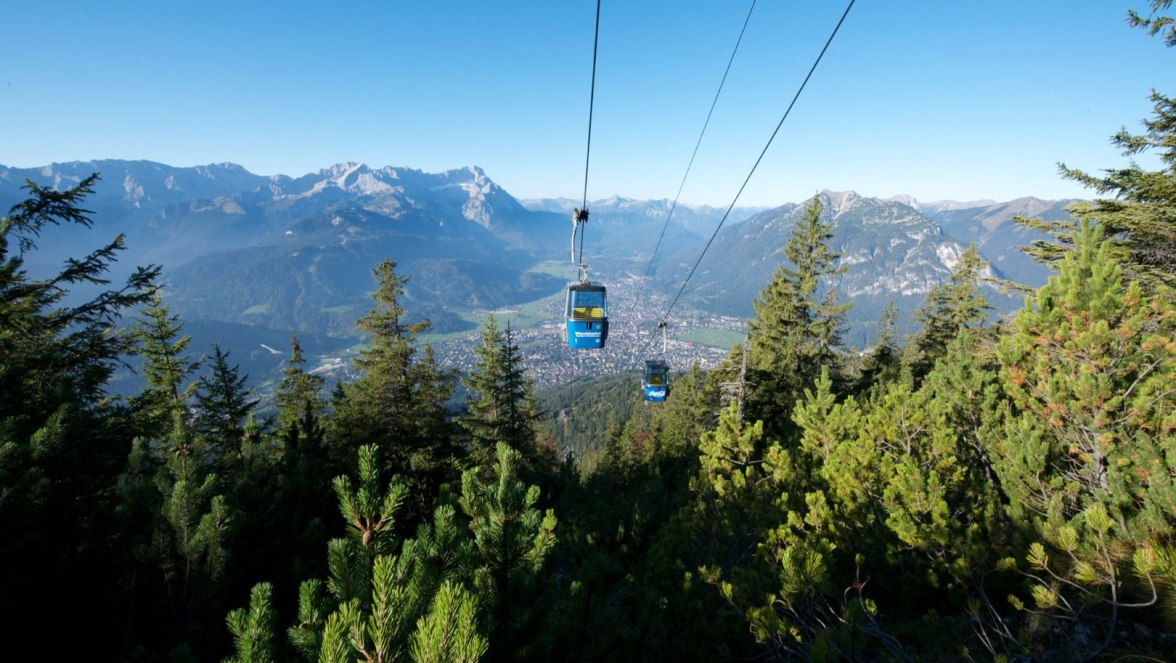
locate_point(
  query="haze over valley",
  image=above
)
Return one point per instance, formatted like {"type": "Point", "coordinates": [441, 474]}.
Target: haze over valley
{"type": "Point", "coordinates": [248, 259]}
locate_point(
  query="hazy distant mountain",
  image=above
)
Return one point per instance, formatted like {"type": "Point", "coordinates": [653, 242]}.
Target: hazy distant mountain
{"type": "Point", "coordinates": [892, 251]}
{"type": "Point", "coordinates": [700, 219]}
{"type": "Point", "coordinates": [643, 220]}
{"type": "Point", "coordinates": [623, 233]}
{"type": "Point", "coordinates": [937, 206]}
{"type": "Point", "coordinates": [296, 252]}
{"type": "Point", "coordinates": [140, 184]}
{"type": "Point", "coordinates": [172, 214]}
{"type": "Point", "coordinates": [990, 225]}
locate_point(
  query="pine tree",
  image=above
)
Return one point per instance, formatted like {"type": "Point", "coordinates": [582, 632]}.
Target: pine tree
{"type": "Point", "coordinates": [820, 506]}
{"type": "Point", "coordinates": [435, 459]}
{"type": "Point", "coordinates": [1156, 23]}
{"type": "Point", "coordinates": [797, 323]}
{"type": "Point", "coordinates": [62, 442]}
{"type": "Point", "coordinates": [512, 542]}
{"type": "Point", "coordinates": [965, 388]}
{"type": "Point", "coordinates": [379, 591]}
{"type": "Point", "coordinates": [267, 534]}
{"type": "Point", "coordinates": [222, 401]}
{"type": "Point", "coordinates": [947, 309]}
{"type": "Point", "coordinates": [521, 416]}
{"type": "Point", "coordinates": [1089, 363]}
{"type": "Point", "coordinates": [685, 417]}
{"type": "Point", "coordinates": [882, 364]}
{"type": "Point", "coordinates": [195, 526]}
{"type": "Point", "coordinates": [501, 405]}
{"type": "Point", "coordinates": [181, 541]}
{"type": "Point", "coordinates": [378, 407]}
{"type": "Point", "coordinates": [253, 630]}
{"type": "Point", "coordinates": [387, 361]}
{"type": "Point", "coordinates": [449, 632]}
{"type": "Point", "coordinates": [166, 367]}
{"type": "Point", "coordinates": [52, 353]}
{"type": "Point", "coordinates": [368, 511]}
{"type": "Point", "coordinates": [298, 391]}
{"type": "Point", "coordinates": [1086, 452]}
{"type": "Point", "coordinates": [481, 421]}
{"type": "Point", "coordinates": [398, 403]}
{"type": "Point", "coordinates": [733, 498]}
{"type": "Point", "coordinates": [303, 470]}
{"type": "Point", "coordinates": [359, 565]}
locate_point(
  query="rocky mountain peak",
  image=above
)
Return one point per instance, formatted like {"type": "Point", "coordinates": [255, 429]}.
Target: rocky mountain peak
{"type": "Point", "coordinates": [839, 202]}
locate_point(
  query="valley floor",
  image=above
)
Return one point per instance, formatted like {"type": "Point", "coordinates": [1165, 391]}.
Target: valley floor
{"type": "Point", "coordinates": [633, 338]}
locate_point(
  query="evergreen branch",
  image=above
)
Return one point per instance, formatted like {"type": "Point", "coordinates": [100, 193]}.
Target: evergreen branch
{"type": "Point", "coordinates": [46, 206]}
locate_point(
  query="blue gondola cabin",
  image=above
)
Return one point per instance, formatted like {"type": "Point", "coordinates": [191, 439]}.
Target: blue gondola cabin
{"type": "Point", "coordinates": [656, 380]}
{"type": "Point", "coordinates": [587, 316]}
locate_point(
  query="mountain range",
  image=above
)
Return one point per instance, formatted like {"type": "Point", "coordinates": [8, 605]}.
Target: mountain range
{"type": "Point", "coordinates": [295, 254]}
{"type": "Point", "coordinates": [894, 249]}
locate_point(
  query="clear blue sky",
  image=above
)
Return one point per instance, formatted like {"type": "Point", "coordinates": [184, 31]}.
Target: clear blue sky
{"type": "Point", "coordinates": [936, 99]}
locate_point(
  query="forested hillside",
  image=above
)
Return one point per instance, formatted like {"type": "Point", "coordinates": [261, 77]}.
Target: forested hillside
{"type": "Point", "coordinates": [974, 491]}
{"type": "Point", "coordinates": [580, 415]}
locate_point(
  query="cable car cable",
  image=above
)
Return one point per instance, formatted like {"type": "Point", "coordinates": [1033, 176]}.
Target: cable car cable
{"type": "Point", "coordinates": [591, 101]}
{"type": "Point", "coordinates": [586, 306]}
{"type": "Point", "coordinates": [588, 152]}
{"type": "Point", "coordinates": [689, 165]}
{"type": "Point", "coordinates": [812, 69]}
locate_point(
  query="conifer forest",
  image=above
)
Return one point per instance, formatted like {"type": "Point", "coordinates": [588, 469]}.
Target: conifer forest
{"type": "Point", "coordinates": [983, 489]}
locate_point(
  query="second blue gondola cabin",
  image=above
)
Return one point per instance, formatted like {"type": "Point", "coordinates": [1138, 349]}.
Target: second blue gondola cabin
{"type": "Point", "coordinates": [656, 380]}
{"type": "Point", "coordinates": [587, 315]}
